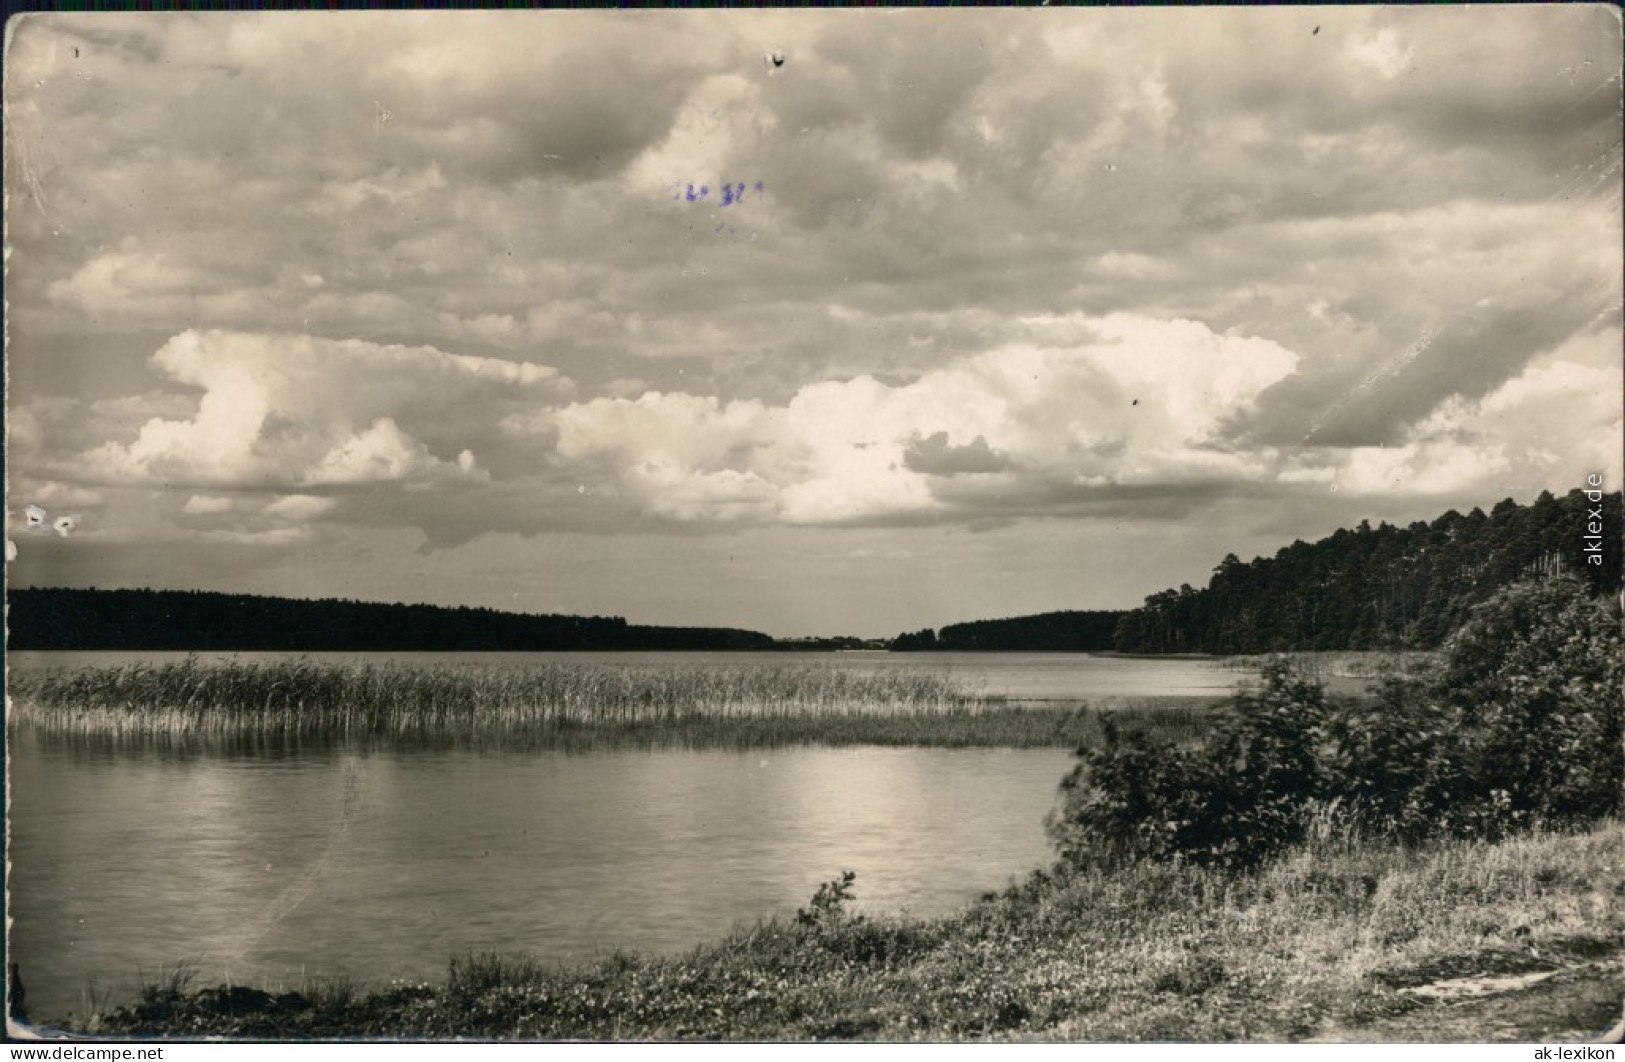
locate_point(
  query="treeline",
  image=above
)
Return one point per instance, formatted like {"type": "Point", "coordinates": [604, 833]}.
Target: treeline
{"type": "Point", "coordinates": [840, 643]}
{"type": "Point", "coordinates": [1046, 632]}
{"type": "Point", "coordinates": [54, 618]}
{"type": "Point", "coordinates": [1383, 587]}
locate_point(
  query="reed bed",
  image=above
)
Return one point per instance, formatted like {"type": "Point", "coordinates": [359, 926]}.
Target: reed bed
{"type": "Point", "coordinates": [573, 706]}
{"type": "Point", "coordinates": [309, 697]}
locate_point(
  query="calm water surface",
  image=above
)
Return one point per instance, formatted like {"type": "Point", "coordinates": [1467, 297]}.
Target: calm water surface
{"type": "Point", "coordinates": [271, 866]}
{"type": "Point", "coordinates": [277, 864]}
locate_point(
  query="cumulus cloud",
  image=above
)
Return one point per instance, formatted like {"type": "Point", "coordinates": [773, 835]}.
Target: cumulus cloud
{"type": "Point", "coordinates": [991, 267]}
{"type": "Point", "coordinates": [383, 453]}
{"type": "Point", "coordinates": [990, 162]}
{"type": "Point", "coordinates": [1133, 404]}
{"type": "Point", "coordinates": [1134, 401]}
{"type": "Point", "coordinates": [252, 519]}
{"type": "Point", "coordinates": [307, 411]}
{"type": "Point", "coordinates": [121, 281]}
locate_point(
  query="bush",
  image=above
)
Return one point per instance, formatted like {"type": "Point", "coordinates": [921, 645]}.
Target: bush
{"type": "Point", "coordinates": [1131, 798]}
{"type": "Point", "coordinates": [830, 926]}
{"type": "Point", "coordinates": [1233, 802]}
{"type": "Point", "coordinates": [1270, 780]}
{"type": "Point", "coordinates": [828, 906]}
{"type": "Point", "coordinates": [1399, 765]}
{"type": "Point", "coordinates": [1519, 725]}
{"type": "Point", "coordinates": [1536, 677]}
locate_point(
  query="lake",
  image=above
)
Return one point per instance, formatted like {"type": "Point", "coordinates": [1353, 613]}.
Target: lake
{"type": "Point", "coordinates": [276, 864]}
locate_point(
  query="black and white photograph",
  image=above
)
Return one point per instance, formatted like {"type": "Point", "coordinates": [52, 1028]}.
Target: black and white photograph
{"type": "Point", "coordinates": [1088, 525]}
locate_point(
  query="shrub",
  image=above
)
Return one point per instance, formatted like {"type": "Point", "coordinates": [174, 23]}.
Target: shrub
{"type": "Point", "coordinates": [1266, 765]}
{"type": "Point", "coordinates": [831, 927]}
{"type": "Point", "coordinates": [1536, 677]}
{"type": "Point", "coordinates": [1520, 725]}
{"type": "Point", "coordinates": [1133, 797]}
{"type": "Point", "coordinates": [1399, 764]}
{"type": "Point", "coordinates": [828, 905]}
{"type": "Point", "coordinates": [1246, 793]}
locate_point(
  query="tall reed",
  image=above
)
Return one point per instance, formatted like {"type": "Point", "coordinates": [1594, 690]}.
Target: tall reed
{"type": "Point", "coordinates": [571, 705]}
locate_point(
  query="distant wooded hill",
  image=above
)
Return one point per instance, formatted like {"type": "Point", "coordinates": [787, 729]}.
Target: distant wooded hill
{"type": "Point", "coordinates": [1046, 632]}
{"type": "Point", "coordinates": [1381, 587]}
{"type": "Point", "coordinates": [49, 618]}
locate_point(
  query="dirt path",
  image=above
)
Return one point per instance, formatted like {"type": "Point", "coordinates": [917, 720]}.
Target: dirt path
{"type": "Point", "coordinates": [1577, 1004]}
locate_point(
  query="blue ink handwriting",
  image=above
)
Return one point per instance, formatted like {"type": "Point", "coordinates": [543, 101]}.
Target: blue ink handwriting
{"type": "Point", "coordinates": [727, 194]}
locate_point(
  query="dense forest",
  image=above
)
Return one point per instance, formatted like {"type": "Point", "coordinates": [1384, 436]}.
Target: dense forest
{"type": "Point", "coordinates": [1382, 587]}
{"type": "Point", "coordinates": [1047, 632]}
{"type": "Point", "coordinates": [50, 618]}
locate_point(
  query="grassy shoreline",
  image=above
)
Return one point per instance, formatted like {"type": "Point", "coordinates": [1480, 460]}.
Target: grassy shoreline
{"type": "Point", "coordinates": [1337, 940]}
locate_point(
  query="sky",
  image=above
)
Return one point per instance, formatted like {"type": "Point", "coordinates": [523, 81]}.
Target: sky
{"type": "Point", "coordinates": [809, 322]}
